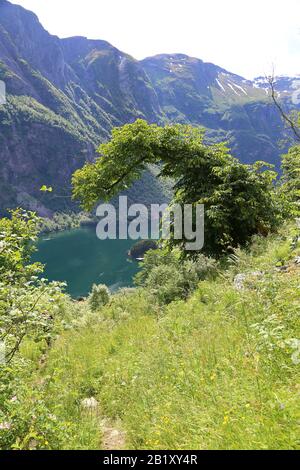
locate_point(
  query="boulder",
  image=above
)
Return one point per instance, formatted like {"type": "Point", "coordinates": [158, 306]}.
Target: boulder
{"type": "Point", "coordinates": [90, 404]}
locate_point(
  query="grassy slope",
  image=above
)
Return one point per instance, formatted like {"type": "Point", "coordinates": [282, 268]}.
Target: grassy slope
{"type": "Point", "coordinates": [215, 372]}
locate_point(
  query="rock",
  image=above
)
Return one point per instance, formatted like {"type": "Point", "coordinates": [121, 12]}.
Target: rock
{"type": "Point", "coordinates": [257, 274]}
{"type": "Point", "coordinates": [239, 281]}
{"type": "Point", "coordinates": [282, 269]}
{"type": "Point", "coordinates": [140, 248]}
{"type": "Point", "coordinates": [90, 403]}
{"type": "Point", "coordinates": [5, 426]}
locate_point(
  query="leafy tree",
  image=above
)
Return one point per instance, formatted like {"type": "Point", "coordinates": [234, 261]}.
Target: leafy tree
{"type": "Point", "coordinates": [17, 235]}
{"type": "Point", "coordinates": [290, 118]}
{"type": "Point", "coordinates": [290, 187]}
{"type": "Point", "coordinates": [239, 199]}
{"type": "Point", "coordinates": [27, 303]}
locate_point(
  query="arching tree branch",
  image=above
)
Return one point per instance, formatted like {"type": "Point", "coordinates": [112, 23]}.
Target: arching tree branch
{"type": "Point", "coordinates": [284, 115]}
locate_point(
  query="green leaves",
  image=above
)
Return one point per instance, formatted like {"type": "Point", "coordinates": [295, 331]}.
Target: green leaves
{"type": "Point", "coordinates": [99, 297]}
{"type": "Point", "coordinates": [290, 187]}
{"type": "Point", "coordinates": [166, 277]}
{"type": "Point", "coordinates": [239, 199]}
{"type": "Point", "coordinates": [46, 189]}
{"type": "Point", "coordinates": [123, 159]}
{"type": "Point", "coordinates": [28, 304]}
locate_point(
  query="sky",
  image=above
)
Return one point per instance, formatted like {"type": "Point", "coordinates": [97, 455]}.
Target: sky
{"type": "Point", "coordinates": [244, 37]}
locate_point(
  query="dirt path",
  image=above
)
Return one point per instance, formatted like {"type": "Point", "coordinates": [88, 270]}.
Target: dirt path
{"type": "Point", "coordinates": [113, 438]}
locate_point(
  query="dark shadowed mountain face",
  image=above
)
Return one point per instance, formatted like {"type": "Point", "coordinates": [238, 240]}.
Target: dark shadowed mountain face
{"type": "Point", "coordinates": [65, 95]}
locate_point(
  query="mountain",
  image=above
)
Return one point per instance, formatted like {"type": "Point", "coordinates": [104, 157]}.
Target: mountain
{"type": "Point", "coordinates": [285, 86]}
{"type": "Point", "coordinates": [65, 95]}
{"type": "Point", "coordinates": [231, 108]}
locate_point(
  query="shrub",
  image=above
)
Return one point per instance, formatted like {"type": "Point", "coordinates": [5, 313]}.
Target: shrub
{"type": "Point", "coordinates": [28, 304]}
{"type": "Point", "coordinates": [168, 278]}
{"type": "Point", "coordinates": [26, 423]}
{"type": "Point", "coordinates": [99, 297]}
{"type": "Point", "coordinates": [290, 188]}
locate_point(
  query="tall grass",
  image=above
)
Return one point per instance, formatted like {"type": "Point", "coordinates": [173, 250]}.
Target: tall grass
{"type": "Point", "coordinates": [219, 371]}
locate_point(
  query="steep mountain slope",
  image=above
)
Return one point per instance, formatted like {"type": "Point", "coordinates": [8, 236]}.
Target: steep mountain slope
{"type": "Point", "coordinates": [287, 87]}
{"type": "Point", "coordinates": [232, 108]}
{"type": "Point", "coordinates": [65, 95]}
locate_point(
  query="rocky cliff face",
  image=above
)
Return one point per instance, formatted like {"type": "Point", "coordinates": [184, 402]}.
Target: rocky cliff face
{"type": "Point", "coordinates": [230, 107]}
{"type": "Point", "coordinates": [65, 95]}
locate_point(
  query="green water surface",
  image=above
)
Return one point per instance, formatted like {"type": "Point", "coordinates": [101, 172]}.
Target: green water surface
{"type": "Point", "coordinates": [81, 259]}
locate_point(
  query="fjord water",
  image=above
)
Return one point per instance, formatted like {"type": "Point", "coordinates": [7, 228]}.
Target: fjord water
{"type": "Point", "coordinates": [79, 258]}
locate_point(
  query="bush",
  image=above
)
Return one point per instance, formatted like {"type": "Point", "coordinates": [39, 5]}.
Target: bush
{"type": "Point", "coordinates": [99, 297]}
{"type": "Point", "coordinates": [290, 187]}
{"type": "Point", "coordinates": [168, 278]}
{"type": "Point", "coordinates": [26, 423]}
{"type": "Point", "coordinates": [28, 304]}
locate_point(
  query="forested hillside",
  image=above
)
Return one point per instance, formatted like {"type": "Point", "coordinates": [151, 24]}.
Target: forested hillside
{"type": "Point", "coordinates": [65, 95]}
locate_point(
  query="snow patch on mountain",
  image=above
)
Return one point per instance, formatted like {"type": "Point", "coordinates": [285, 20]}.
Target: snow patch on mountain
{"type": "Point", "coordinates": [220, 85]}
{"type": "Point", "coordinates": [241, 88]}
{"type": "Point", "coordinates": [233, 89]}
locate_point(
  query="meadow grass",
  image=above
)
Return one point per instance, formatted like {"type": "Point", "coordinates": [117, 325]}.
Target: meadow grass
{"type": "Point", "coordinates": [218, 371]}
